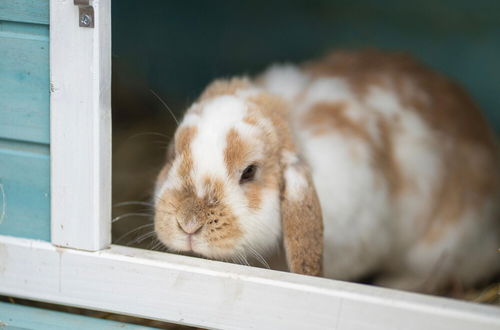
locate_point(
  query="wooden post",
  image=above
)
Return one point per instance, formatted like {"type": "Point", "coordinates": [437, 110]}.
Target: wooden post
{"type": "Point", "coordinates": [80, 73]}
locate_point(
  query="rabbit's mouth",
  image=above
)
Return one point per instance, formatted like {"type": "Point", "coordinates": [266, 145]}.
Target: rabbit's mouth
{"type": "Point", "coordinates": [211, 239]}
{"type": "Point", "coordinates": [193, 243]}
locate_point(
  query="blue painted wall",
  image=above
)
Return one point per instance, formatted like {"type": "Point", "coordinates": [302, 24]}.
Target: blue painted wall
{"type": "Point", "coordinates": [24, 119]}
{"type": "Point", "coordinates": [177, 47]}
{"type": "Point", "coordinates": [19, 317]}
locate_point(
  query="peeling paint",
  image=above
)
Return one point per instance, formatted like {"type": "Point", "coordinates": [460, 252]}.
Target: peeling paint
{"type": "Point", "coordinates": [52, 87]}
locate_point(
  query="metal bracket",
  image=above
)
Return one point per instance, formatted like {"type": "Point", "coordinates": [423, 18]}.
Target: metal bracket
{"type": "Point", "coordinates": [85, 13]}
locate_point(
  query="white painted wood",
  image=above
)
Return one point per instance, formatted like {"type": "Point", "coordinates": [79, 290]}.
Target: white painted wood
{"type": "Point", "coordinates": [206, 293]}
{"type": "Point", "coordinates": [80, 73]}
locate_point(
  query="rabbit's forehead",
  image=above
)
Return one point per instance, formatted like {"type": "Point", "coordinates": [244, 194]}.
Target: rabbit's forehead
{"type": "Point", "coordinates": [223, 139]}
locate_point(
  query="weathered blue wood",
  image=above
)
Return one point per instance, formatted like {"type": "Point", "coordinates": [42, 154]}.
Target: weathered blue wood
{"type": "Point", "coordinates": [28, 11]}
{"type": "Point", "coordinates": [25, 30]}
{"type": "Point", "coordinates": [24, 119]}
{"type": "Point", "coordinates": [14, 316]}
{"type": "Point", "coordinates": [24, 81]}
{"type": "Point", "coordinates": [24, 190]}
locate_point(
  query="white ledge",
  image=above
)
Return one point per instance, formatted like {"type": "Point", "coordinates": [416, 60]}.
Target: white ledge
{"type": "Point", "coordinates": [213, 294]}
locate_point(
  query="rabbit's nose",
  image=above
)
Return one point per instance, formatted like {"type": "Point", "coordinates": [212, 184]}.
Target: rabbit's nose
{"type": "Point", "coordinates": [190, 227]}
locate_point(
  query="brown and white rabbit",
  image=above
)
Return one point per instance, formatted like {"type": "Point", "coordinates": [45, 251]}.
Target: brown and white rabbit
{"type": "Point", "coordinates": [361, 162]}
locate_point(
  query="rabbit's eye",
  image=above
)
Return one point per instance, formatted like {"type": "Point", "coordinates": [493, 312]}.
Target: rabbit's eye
{"type": "Point", "coordinates": [248, 174]}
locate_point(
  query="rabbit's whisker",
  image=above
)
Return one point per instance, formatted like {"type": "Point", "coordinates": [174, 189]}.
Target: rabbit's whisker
{"type": "Point", "coordinates": [133, 231]}
{"type": "Point", "coordinates": [165, 105]}
{"type": "Point", "coordinates": [132, 203]}
{"type": "Point", "coordinates": [147, 133]}
{"type": "Point", "coordinates": [258, 257]}
{"type": "Point", "coordinates": [141, 238]}
{"type": "Point", "coordinates": [127, 215]}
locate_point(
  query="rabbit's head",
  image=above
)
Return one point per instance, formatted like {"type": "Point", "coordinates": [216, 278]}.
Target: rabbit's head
{"type": "Point", "coordinates": [234, 185]}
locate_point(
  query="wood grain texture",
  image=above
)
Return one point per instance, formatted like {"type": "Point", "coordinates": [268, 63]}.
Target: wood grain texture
{"type": "Point", "coordinates": [14, 316]}
{"type": "Point", "coordinates": [80, 64]}
{"type": "Point", "coordinates": [24, 190]}
{"type": "Point", "coordinates": [24, 82]}
{"type": "Point", "coordinates": [27, 11]}
{"type": "Point", "coordinates": [219, 295]}
{"type": "Point", "coordinates": [24, 119]}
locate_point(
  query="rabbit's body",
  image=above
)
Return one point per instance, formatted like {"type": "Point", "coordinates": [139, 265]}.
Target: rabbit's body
{"type": "Point", "coordinates": [404, 167]}
{"type": "Point", "coordinates": [392, 159]}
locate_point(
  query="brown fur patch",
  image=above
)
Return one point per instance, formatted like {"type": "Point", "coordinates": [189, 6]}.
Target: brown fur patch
{"type": "Point", "coordinates": [222, 229]}
{"type": "Point", "coordinates": [236, 152]}
{"type": "Point", "coordinates": [303, 229]}
{"type": "Point", "coordinates": [385, 158]}
{"type": "Point", "coordinates": [184, 137]}
{"type": "Point", "coordinates": [397, 71]}
{"type": "Point", "coordinates": [251, 120]}
{"type": "Point", "coordinates": [465, 186]}
{"type": "Point", "coordinates": [219, 228]}
{"type": "Point", "coordinates": [302, 220]}
{"type": "Point", "coordinates": [277, 111]}
{"type": "Point", "coordinates": [224, 87]}
{"type": "Point", "coordinates": [470, 158]}
{"type": "Point", "coordinates": [267, 179]}
{"type": "Point", "coordinates": [326, 117]}
{"type": "Point", "coordinates": [254, 195]}
{"type": "Point", "coordinates": [170, 155]}
{"type": "Point", "coordinates": [331, 117]}
{"type": "Point", "coordinates": [236, 158]}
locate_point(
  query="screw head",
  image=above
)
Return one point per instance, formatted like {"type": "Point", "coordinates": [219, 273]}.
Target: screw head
{"type": "Point", "coordinates": [85, 20]}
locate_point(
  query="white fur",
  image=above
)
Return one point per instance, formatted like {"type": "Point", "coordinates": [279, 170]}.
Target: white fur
{"type": "Point", "coordinates": [420, 163]}
{"type": "Point", "coordinates": [384, 101]}
{"type": "Point", "coordinates": [354, 207]}
{"type": "Point", "coordinates": [213, 121]}
{"type": "Point", "coordinates": [366, 229]}
{"type": "Point", "coordinates": [207, 148]}
{"type": "Point", "coordinates": [248, 92]}
{"type": "Point", "coordinates": [296, 183]}
{"type": "Point", "coordinates": [284, 80]}
{"type": "Point", "coordinates": [261, 228]}
{"type": "Point", "coordinates": [329, 90]}
{"type": "Point", "coordinates": [171, 182]}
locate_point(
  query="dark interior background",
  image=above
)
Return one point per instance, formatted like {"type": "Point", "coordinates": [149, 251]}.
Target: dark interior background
{"type": "Point", "coordinates": [175, 48]}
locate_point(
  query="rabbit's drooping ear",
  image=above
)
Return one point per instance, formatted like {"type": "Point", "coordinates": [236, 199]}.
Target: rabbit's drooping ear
{"type": "Point", "coordinates": [301, 219]}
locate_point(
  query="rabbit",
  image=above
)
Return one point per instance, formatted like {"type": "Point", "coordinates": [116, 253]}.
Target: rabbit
{"type": "Point", "coordinates": [358, 163]}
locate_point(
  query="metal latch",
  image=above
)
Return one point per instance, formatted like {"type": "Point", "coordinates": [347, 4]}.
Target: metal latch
{"type": "Point", "coordinates": [85, 13]}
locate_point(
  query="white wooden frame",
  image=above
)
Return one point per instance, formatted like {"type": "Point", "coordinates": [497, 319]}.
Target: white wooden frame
{"type": "Point", "coordinates": [81, 268]}
{"type": "Point", "coordinates": [213, 294]}
{"type": "Point", "coordinates": [80, 134]}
